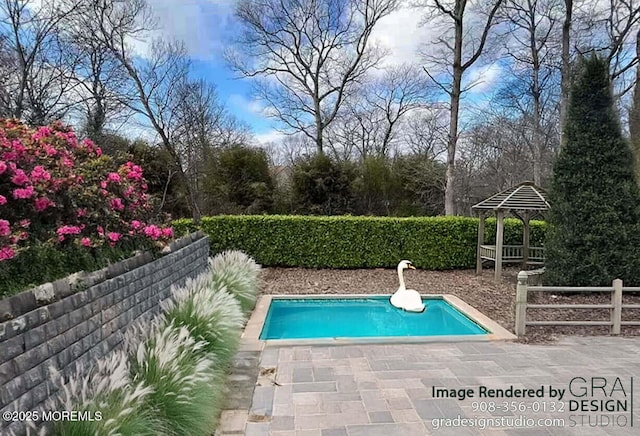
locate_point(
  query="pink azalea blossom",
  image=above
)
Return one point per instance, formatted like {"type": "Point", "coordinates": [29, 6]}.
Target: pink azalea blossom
{"type": "Point", "coordinates": [116, 204]}
{"type": "Point", "coordinates": [18, 147]}
{"type": "Point", "coordinates": [85, 242]}
{"type": "Point", "coordinates": [20, 178]}
{"type": "Point", "coordinates": [152, 231]}
{"type": "Point", "coordinates": [81, 212]}
{"type": "Point", "coordinates": [40, 173]}
{"type": "Point", "coordinates": [167, 232]}
{"type": "Point", "coordinates": [134, 172]}
{"type": "Point", "coordinates": [23, 193]}
{"type": "Point", "coordinates": [67, 162]}
{"type": "Point", "coordinates": [98, 151]}
{"type": "Point", "coordinates": [50, 150]}
{"type": "Point", "coordinates": [41, 133]}
{"type": "Point", "coordinates": [9, 155]}
{"type": "Point", "coordinates": [136, 224]}
{"type": "Point", "coordinates": [6, 253]}
{"type": "Point", "coordinates": [25, 223]}
{"type": "Point", "coordinates": [69, 230]}
{"type": "Point", "coordinates": [3, 166]}
{"type": "Point", "coordinates": [114, 236]}
{"type": "Point", "coordinates": [103, 184]}
{"type": "Point", "coordinates": [100, 230]}
{"type": "Point", "coordinates": [5, 228]}
{"type": "Point", "coordinates": [113, 177]}
{"type": "Point", "coordinates": [3, 200]}
{"type": "Point", "coordinates": [42, 203]}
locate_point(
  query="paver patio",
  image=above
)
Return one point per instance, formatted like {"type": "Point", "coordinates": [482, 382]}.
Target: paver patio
{"type": "Point", "coordinates": [387, 389]}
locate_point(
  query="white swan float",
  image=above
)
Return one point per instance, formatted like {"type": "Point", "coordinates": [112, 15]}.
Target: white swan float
{"type": "Point", "coordinates": [406, 299]}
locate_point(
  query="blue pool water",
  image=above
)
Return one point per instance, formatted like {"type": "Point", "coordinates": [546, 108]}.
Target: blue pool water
{"type": "Point", "coordinates": [362, 317]}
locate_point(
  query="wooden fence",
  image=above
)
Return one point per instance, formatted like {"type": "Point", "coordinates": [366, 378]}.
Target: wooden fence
{"type": "Point", "coordinates": [615, 320]}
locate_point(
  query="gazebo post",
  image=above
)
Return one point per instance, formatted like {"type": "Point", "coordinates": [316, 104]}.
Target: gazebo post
{"type": "Point", "coordinates": [525, 239]}
{"type": "Point", "coordinates": [481, 215]}
{"type": "Point", "coordinates": [499, 238]}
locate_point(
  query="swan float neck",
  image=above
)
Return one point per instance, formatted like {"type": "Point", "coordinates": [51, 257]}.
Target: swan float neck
{"type": "Point", "coordinates": [401, 277]}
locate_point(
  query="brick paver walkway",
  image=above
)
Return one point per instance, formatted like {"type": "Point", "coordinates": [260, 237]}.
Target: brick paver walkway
{"type": "Point", "coordinates": [386, 390]}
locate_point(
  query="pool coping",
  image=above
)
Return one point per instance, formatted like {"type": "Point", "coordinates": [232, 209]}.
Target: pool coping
{"type": "Point", "coordinates": [251, 334]}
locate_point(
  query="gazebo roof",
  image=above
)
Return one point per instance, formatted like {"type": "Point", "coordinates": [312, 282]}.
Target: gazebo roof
{"type": "Point", "coordinates": [525, 196]}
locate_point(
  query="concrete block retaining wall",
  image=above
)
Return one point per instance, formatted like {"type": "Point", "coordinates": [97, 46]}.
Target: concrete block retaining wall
{"type": "Point", "coordinates": [55, 326]}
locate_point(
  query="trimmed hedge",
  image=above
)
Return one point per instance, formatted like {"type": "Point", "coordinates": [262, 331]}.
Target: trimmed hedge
{"type": "Point", "coordinates": [42, 263]}
{"type": "Point", "coordinates": [355, 242]}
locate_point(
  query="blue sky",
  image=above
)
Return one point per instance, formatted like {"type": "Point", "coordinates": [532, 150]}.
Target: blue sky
{"type": "Point", "coordinates": [207, 27]}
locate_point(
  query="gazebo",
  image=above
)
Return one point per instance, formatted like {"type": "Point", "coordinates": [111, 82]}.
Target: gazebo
{"type": "Point", "coordinates": [524, 201]}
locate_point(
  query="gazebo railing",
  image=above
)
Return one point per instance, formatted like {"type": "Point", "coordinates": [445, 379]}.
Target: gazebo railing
{"type": "Point", "coordinates": [536, 254]}
{"type": "Point", "coordinates": [513, 253]}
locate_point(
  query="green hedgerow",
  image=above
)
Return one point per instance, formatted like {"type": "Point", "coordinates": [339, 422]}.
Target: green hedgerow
{"type": "Point", "coordinates": [436, 243]}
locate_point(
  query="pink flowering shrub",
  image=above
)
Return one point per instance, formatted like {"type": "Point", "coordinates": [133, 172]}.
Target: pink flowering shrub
{"type": "Point", "coordinates": [58, 189]}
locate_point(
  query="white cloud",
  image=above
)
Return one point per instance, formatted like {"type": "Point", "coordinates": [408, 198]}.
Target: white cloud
{"type": "Point", "coordinates": [269, 137]}
{"type": "Point", "coordinates": [203, 25]}
{"type": "Point", "coordinates": [483, 79]}
{"type": "Point", "coordinates": [401, 34]}
{"type": "Point", "coordinates": [252, 106]}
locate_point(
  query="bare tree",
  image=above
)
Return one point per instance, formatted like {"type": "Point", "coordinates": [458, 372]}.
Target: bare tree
{"type": "Point", "coordinates": [426, 131]}
{"type": "Point", "coordinates": [369, 122]}
{"type": "Point", "coordinates": [532, 25]}
{"type": "Point", "coordinates": [41, 71]}
{"type": "Point", "coordinates": [310, 56]}
{"type": "Point", "coordinates": [460, 50]}
{"type": "Point", "coordinates": [613, 31]}
{"type": "Point", "coordinates": [157, 79]}
{"type": "Point", "coordinates": [202, 126]}
{"type": "Point", "coordinates": [565, 69]}
{"type": "Point", "coordinates": [634, 117]}
{"type": "Point", "coordinates": [103, 86]}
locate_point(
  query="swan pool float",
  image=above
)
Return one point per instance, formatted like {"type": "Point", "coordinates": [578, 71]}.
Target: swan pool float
{"type": "Point", "coordinates": [406, 299]}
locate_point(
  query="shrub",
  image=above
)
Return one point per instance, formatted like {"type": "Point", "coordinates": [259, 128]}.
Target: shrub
{"type": "Point", "coordinates": [239, 274]}
{"type": "Point", "coordinates": [42, 263]}
{"type": "Point", "coordinates": [182, 380]}
{"type": "Point", "coordinates": [57, 189]}
{"type": "Point", "coordinates": [169, 378]}
{"type": "Point", "coordinates": [323, 186]}
{"type": "Point", "coordinates": [240, 180]}
{"type": "Point", "coordinates": [354, 242]}
{"type": "Point", "coordinates": [594, 225]}
{"type": "Point", "coordinates": [212, 316]}
{"type": "Point", "coordinates": [64, 205]}
{"type": "Point", "coordinates": [106, 389]}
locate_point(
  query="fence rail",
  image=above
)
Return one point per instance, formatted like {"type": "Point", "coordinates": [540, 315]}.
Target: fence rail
{"type": "Point", "coordinates": [616, 307]}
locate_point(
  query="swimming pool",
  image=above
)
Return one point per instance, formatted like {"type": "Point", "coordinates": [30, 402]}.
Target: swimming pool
{"type": "Point", "coordinates": [368, 317]}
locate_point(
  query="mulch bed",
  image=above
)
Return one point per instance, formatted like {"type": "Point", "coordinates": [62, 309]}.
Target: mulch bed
{"type": "Point", "coordinates": [496, 300]}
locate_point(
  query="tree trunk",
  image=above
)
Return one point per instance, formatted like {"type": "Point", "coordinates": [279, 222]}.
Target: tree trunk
{"type": "Point", "coordinates": [537, 112]}
{"type": "Point", "coordinates": [319, 145]}
{"type": "Point", "coordinates": [565, 80]}
{"type": "Point", "coordinates": [634, 119]}
{"type": "Point", "coordinates": [456, 89]}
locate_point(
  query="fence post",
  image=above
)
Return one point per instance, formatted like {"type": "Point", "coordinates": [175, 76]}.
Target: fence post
{"type": "Point", "coordinates": [616, 312]}
{"type": "Point", "coordinates": [521, 303]}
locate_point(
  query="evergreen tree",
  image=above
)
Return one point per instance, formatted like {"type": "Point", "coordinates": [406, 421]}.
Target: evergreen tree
{"type": "Point", "coordinates": [593, 235]}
